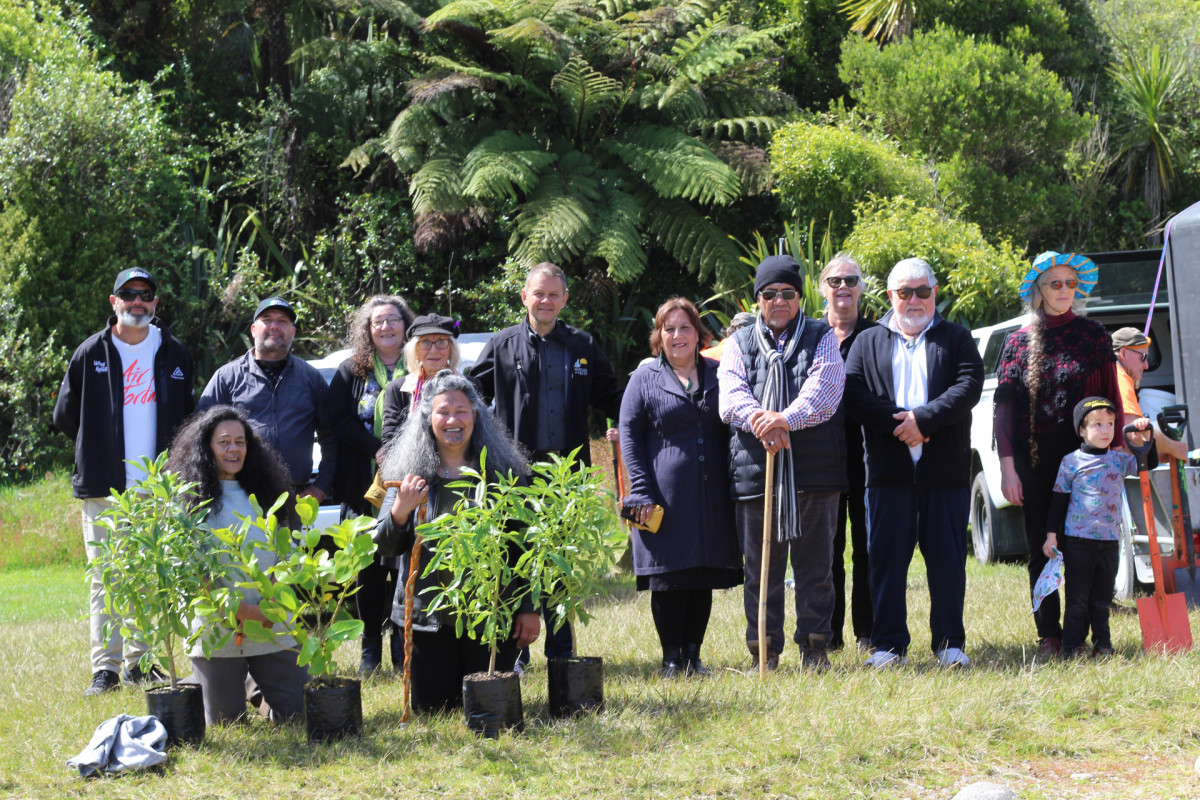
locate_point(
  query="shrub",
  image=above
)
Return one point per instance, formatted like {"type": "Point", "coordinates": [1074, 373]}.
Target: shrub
{"type": "Point", "coordinates": [822, 170]}
{"type": "Point", "coordinates": [977, 280]}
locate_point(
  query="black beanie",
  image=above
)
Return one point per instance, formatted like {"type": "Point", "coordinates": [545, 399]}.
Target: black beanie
{"type": "Point", "coordinates": [1089, 404]}
{"type": "Point", "coordinates": [778, 269]}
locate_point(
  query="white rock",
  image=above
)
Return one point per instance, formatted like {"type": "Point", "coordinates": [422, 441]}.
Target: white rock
{"type": "Point", "coordinates": [985, 790]}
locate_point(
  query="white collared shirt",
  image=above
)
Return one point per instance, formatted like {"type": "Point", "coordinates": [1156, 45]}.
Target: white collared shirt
{"type": "Point", "coordinates": [910, 374]}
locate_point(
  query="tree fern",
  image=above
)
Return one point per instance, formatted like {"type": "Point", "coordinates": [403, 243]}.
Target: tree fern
{"type": "Point", "coordinates": [586, 93]}
{"type": "Point", "coordinates": [437, 186]}
{"type": "Point", "coordinates": [477, 13]}
{"type": "Point", "coordinates": [618, 238]}
{"type": "Point", "coordinates": [504, 166]}
{"type": "Point", "coordinates": [691, 238]}
{"type": "Point", "coordinates": [676, 165]}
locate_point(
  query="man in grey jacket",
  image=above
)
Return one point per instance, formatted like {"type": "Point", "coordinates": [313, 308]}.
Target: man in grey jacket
{"type": "Point", "coordinates": [281, 395]}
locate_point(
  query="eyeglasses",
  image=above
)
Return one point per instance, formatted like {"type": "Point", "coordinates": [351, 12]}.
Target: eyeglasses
{"type": "Point", "coordinates": [129, 295]}
{"type": "Point", "coordinates": [440, 344]}
{"type": "Point", "coordinates": [836, 280]}
{"type": "Point", "coordinates": [380, 324]}
{"type": "Point", "coordinates": [906, 292]}
{"type": "Point", "coordinates": [771, 294]}
{"type": "Point", "coordinates": [1070, 283]}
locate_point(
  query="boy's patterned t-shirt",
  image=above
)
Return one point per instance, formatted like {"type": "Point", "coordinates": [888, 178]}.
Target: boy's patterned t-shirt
{"type": "Point", "coordinates": [1095, 483]}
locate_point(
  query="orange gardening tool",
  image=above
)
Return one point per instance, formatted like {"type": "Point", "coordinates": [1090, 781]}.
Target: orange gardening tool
{"type": "Point", "coordinates": [1163, 617]}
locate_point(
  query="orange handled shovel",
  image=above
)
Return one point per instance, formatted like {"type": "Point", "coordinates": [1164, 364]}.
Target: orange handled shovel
{"type": "Point", "coordinates": [1163, 616]}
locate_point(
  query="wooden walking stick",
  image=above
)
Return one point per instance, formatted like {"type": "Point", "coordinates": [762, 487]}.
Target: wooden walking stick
{"type": "Point", "coordinates": [410, 587]}
{"type": "Point", "coordinates": [768, 514]}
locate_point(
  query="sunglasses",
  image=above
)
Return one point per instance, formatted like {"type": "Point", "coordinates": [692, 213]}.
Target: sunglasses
{"type": "Point", "coordinates": [128, 295]}
{"type": "Point", "coordinates": [771, 294]}
{"type": "Point", "coordinates": [1070, 283]}
{"type": "Point", "coordinates": [906, 292]}
{"type": "Point", "coordinates": [836, 281]}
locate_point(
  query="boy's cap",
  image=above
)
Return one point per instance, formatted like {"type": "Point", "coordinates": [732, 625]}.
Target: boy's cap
{"type": "Point", "coordinates": [1089, 404]}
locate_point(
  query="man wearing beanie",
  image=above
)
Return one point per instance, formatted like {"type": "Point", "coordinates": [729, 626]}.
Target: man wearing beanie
{"type": "Point", "coordinates": [781, 384]}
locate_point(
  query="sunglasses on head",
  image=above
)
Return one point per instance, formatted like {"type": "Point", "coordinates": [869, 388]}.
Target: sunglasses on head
{"type": "Point", "coordinates": [836, 280]}
{"type": "Point", "coordinates": [771, 294]}
{"type": "Point", "coordinates": [1055, 285]}
{"type": "Point", "coordinates": [128, 295]}
{"type": "Point", "coordinates": [906, 292]}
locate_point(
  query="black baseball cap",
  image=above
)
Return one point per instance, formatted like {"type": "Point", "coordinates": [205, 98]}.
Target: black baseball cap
{"type": "Point", "coordinates": [275, 302]}
{"type": "Point", "coordinates": [134, 274]}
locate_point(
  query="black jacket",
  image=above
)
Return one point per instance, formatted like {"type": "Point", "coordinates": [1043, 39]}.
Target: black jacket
{"type": "Point", "coordinates": [354, 467]}
{"type": "Point", "coordinates": [955, 383]}
{"type": "Point", "coordinates": [508, 373]}
{"type": "Point", "coordinates": [91, 401]}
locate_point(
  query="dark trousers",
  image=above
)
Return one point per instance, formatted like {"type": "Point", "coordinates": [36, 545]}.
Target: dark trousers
{"type": "Point", "coordinates": [681, 616]}
{"type": "Point", "coordinates": [1037, 485]}
{"type": "Point", "coordinates": [223, 680]}
{"type": "Point", "coordinates": [376, 591]}
{"type": "Point", "coordinates": [440, 660]}
{"type": "Point", "coordinates": [812, 568]}
{"type": "Point", "coordinates": [899, 519]}
{"type": "Point", "coordinates": [1089, 570]}
{"type": "Point", "coordinates": [852, 513]}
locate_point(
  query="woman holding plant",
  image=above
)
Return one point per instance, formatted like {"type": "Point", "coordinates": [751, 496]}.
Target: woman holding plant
{"type": "Point", "coordinates": [677, 452]}
{"type": "Point", "coordinates": [445, 434]}
{"type": "Point", "coordinates": [219, 451]}
{"type": "Point", "coordinates": [354, 410]}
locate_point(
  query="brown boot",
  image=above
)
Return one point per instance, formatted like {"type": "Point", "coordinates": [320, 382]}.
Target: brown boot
{"type": "Point", "coordinates": [772, 658]}
{"type": "Point", "coordinates": [815, 655]}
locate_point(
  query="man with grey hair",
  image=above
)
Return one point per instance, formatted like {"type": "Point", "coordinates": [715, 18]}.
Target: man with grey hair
{"type": "Point", "coordinates": [911, 382]}
{"type": "Point", "coordinates": [542, 375]}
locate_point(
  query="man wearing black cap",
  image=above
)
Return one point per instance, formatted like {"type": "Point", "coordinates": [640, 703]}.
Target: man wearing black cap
{"type": "Point", "coordinates": [126, 391]}
{"type": "Point", "coordinates": [781, 386]}
{"type": "Point", "coordinates": [542, 375]}
{"type": "Point", "coordinates": [281, 395]}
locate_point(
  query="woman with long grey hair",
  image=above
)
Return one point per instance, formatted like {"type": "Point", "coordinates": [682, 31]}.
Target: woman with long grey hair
{"type": "Point", "coordinates": [1047, 367]}
{"type": "Point", "coordinates": [445, 433]}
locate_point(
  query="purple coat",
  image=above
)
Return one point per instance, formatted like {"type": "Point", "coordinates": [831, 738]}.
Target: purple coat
{"type": "Point", "coordinates": [677, 454]}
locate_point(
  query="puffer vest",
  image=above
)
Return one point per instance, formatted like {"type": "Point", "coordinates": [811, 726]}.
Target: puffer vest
{"type": "Point", "coordinates": [818, 453]}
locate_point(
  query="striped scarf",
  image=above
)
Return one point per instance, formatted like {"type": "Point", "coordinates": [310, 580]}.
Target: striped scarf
{"type": "Point", "coordinates": [775, 397]}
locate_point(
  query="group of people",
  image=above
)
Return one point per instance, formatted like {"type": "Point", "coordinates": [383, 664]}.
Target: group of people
{"type": "Point", "coordinates": [863, 425]}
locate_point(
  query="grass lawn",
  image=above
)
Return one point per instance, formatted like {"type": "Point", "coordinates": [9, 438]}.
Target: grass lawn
{"type": "Point", "coordinates": [1127, 727]}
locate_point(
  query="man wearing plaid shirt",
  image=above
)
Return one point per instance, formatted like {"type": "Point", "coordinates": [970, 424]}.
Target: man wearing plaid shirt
{"type": "Point", "coordinates": [781, 385]}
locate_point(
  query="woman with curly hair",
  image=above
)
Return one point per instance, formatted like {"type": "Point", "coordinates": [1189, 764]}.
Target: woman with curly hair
{"type": "Point", "coordinates": [445, 433]}
{"type": "Point", "coordinates": [219, 451]}
{"type": "Point", "coordinates": [1045, 368]}
{"type": "Point", "coordinates": [354, 410]}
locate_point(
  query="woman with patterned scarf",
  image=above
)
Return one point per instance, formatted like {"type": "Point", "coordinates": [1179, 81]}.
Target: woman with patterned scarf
{"type": "Point", "coordinates": [353, 410]}
{"type": "Point", "coordinates": [1047, 367]}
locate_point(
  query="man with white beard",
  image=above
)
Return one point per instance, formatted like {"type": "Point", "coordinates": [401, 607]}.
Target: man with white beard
{"type": "Point", "coordinates": [911, 382]}
{"type": "Point", "coordinates": [127, 390]}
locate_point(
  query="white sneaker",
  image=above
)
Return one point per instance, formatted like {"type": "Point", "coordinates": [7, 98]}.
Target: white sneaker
{"type": "Point", "coordinates": [953, 657]}
{"type": "Point", "coordinates": [885, 659]}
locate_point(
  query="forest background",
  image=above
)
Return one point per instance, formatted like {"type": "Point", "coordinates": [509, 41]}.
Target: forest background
{"type": "Point", "coordinates": [332, 149]}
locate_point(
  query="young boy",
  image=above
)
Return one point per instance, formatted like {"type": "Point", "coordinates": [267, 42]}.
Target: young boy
{"type": "Point", "coordinates": [1086, 507]}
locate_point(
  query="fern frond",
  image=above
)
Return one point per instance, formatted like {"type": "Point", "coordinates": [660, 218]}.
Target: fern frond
{"type": "Point", "coordinates": [409, 134]}
{"type": "Point", "coordinates": [737, 127]}
{"type": "Point", "coordinates": [508, 79]}
{"type": "Point", "coordinates": [361, 157]}
{"type": "Point", "coordinates": [393, 10]}
{"type": "Point", "coordinates": [504, 166]}
{"type": "Point", "coordinates": [428, 88]}
{"type": "Point", "coordinates": [691, 238]}
{"type": "Point", "coordinates": [476, 13]}
{"type": "Point", "coordinates": [556, 222]}
{"type": "Point", "coordinates": [586, 94]}
{"type": "Point", "coordinates": [618, 238]}
{"type": "Point", "coordinates": [437, 187]}
{"type": "Point", "coordinates": [750, 162]}
{"type": "Point", "coordinates": [676, 165]}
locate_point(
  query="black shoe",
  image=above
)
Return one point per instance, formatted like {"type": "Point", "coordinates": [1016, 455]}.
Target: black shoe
{"type": "Point", "coordinates": [1103, 651]}
{"type": "Point", "coordinates": [136, 677]}
{"type": "Point", "coordinates": [372, 656]}
{"type": "Point", "coordinates": [692, 663]}
{"type": "Point", "coordinates": [103, 680]}
{"type": "Point", "coordinates": [672, 663]}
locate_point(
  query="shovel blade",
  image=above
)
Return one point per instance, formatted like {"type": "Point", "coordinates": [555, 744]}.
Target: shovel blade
{"type": "Point", "coordinates": [1188, 586]}
{"type": "Point", "coordinates": [1165, 625]}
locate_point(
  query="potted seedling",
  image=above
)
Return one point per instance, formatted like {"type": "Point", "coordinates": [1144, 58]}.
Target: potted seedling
{"type": "Point", "coordinates": [304, 595]}
{"type": "Point", "coordinates": [156, 571]}
{"type": "Point", "coordinates": [478, 548]}
{"type": "Point", "coordinates": [572, 545]}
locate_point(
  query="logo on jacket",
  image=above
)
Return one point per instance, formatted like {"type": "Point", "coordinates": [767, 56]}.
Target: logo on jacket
{"type": "Point", "coordinates": [580, 367]}
{"type": "Point", "coordinates": [100, 367]}
{"type": "Point", "coordinates": [177, 374]}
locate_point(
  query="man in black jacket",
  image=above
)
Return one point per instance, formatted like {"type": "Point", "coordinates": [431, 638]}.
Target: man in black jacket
{"type": "Point", "coordinates": [541, 376]}
{"type": "Point", "coordinates": [126, 391]}
{"type": "Point", "coordinates": [912, 382]}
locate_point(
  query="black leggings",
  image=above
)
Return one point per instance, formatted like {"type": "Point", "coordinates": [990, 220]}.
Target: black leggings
{"type": "Point", "coordinates": [681, 616]}
{"type": "Point", "coordinates": [376, 590]}
{"type": "Point", "coordinates": [1037, 485]}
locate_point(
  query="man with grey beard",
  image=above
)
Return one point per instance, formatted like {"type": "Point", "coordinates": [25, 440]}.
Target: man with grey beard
{"type": "Point", "coordinates": [911, 381]}
{"type": "Point", "coordinates": [127, 390]}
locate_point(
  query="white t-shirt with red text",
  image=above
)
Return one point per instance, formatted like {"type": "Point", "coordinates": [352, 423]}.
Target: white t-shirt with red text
{"type": "Point", "coordinates": [141, 408]}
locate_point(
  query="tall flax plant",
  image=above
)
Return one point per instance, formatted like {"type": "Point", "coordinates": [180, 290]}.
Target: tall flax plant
{"type": "Point", "coordinates": [812, 257]}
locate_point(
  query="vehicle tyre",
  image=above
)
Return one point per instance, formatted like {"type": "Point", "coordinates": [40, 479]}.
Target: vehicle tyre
{"type": "Point", "coordinates": [995, 531]}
